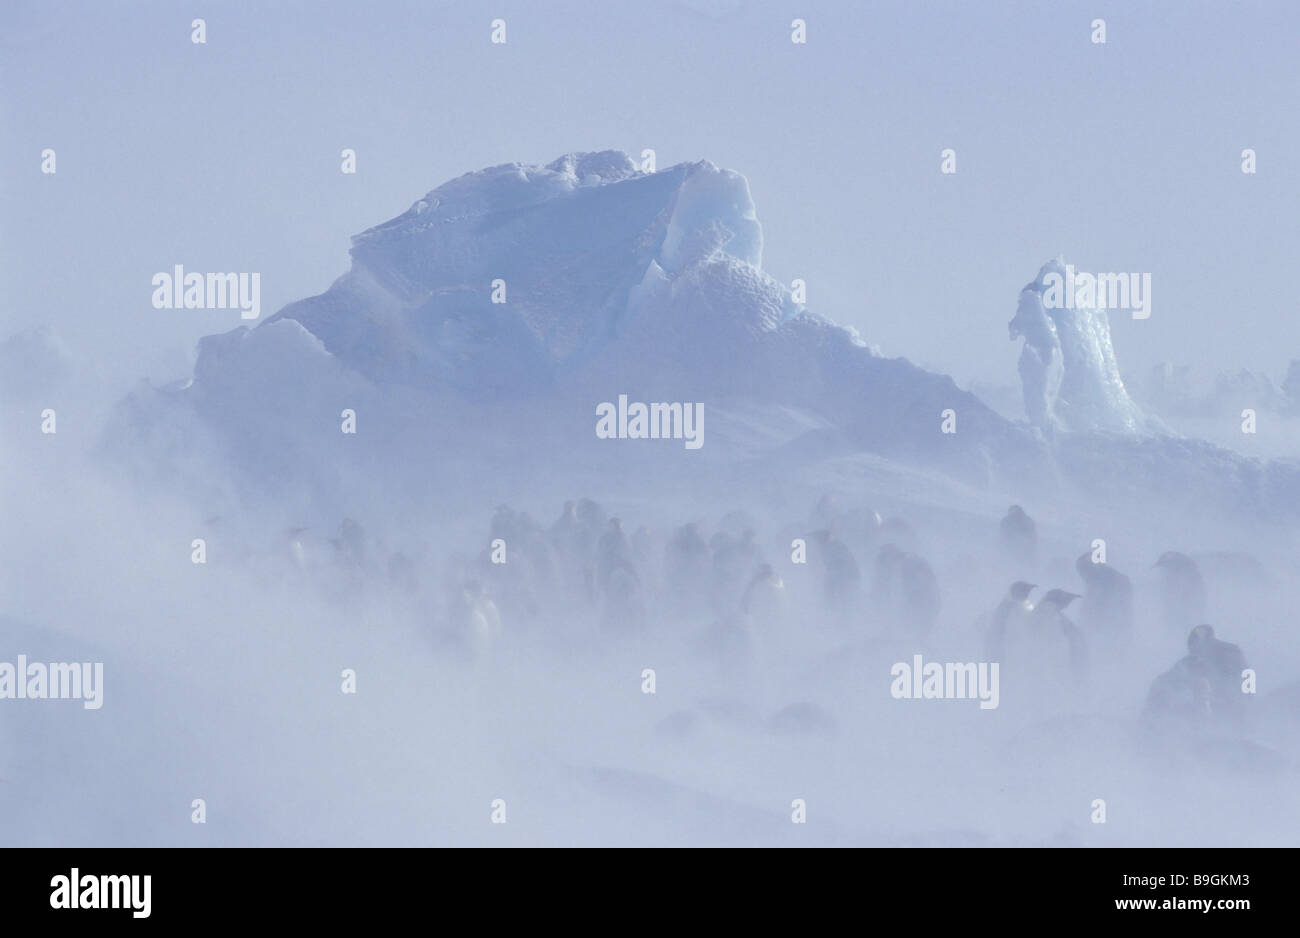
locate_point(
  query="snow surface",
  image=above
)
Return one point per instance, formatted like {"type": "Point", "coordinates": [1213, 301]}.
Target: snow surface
{"type": "Point", "coordinates": [223, 677]}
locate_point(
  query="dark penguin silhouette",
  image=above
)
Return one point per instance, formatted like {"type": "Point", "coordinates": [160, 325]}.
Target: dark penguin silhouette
{"type": "Point", "coordinates": [1203, 689]}
{"type": "Point", "coordinates": [613, 552]}
{"type": "Point", "coordinates": [622, 607]}
{"type": "Point", "coordinates": [350, 545]}
{"type": "Point", "coordinates": [841, 578]}
{"type": "Point", "coordinates": [905, 590]}
{"type": "Point", "coordinates": [1221, 663]}
{"type": "Point", "coordinates": [1012, 612]}
{"type": "Point", "coordinates": [734, 562]}
{"type": "Point", "coordinates": [573, 540]}
{"type": "Point", "coordinates": [687, 568]}
{"type": "Point", "coordinates": [1048, 641]}
{"type": "Point", "coordinates": [764, 600]}
{"type": "Point", "coordinates": [1018, 536]}
{"type": "Point", "coordinates": [1107, 607]}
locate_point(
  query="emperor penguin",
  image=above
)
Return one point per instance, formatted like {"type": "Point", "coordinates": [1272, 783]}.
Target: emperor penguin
{"type": "Point", "coordinates": [905, 590]}
{"type": "Point", "coordinates": [350, 545]}
{"type": "Point", "coordinates": [305, 551]}
{"type": "Point", "coordinates": [765, 600]}
{"type": "Point", "coordinates": [686, 569]}
{"type": "Point", "coordinates": [1221, 664]}
{"type": "Point", "coordinates": [1203, 689]}
{"type": "Point", "coordinates": [622, 609]}
{"type": "Point", "coordinates": [1011, 614]}
{"type": "Point", "coordinates": [842, 579]}
{"type": "Point", "coordinates": [1107, 607]}
{"type": "Point", "coordinates": [1182, 591]}
{"type": "Point", "coordinates": [1046, 643]}
{"type": "Point", "coordinates": [613, 551]}
{"type": "Point", "coordinates": [476, 619]}
{"type": "Point", "coordinates": [1018, 536]}
{"type": "Point", "coordinates": [734, 563]}
{"type": "Point", "coordinates": [574, 545]}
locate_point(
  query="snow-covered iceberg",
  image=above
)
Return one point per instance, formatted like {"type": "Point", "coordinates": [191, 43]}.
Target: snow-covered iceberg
{"type": "Point", "coordinates": [503, 305]}
{"type": "Point", "coordinates": [481, 328]}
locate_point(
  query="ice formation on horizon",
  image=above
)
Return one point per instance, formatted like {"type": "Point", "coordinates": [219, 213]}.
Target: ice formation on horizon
{"type": "Point", "coordinates": [1068, 372]}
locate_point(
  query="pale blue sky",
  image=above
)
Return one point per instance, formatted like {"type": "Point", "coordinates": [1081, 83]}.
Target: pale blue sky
{"type": "Point", "coordinates": [226, 156]}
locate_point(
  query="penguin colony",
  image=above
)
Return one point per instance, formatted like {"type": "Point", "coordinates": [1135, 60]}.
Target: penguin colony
{"type": "Point", "coordinates": [859, 571]}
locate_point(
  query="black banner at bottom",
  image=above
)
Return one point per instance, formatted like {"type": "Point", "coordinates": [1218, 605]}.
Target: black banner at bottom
{"type": "Point", "coordinates": [373, 886]}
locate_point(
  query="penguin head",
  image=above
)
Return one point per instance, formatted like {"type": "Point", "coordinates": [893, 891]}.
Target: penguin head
{"type": "Point", "coordinates": [588, 511]}
{"type": "Point", "coordinates": [1020, 590]}
{"type": "Point", "coordinates": [1058, 599]}
{"type": "Point", "coordinates": [1200, 638]}
{"type": "Point", "coordinates": [1174, 562]}
{"type": "Point", "coordinates": [889, 555]}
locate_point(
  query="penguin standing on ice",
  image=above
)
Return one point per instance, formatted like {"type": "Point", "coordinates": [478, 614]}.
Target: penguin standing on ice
{"type": "Point", "coordinates": [765, 601]}
{"type": "Point", "coordinates": [622, 608]}
{"type": "Point", "coordinates": [842, 580]}
{"type": "Point", "coordinates": [475, 618]}
{"type": "Point", "coordinates": [1011, 614]}
{"type": "Point", "coordinates": [686, 569]}
{"type": "Point", "coordinates": [734, 563]}
{"type": "Point", "coordinates": [613, 551]}
{"type": "Point", "coordinates": [1221, 664]}
{"type": "Point", "coordinates": [574, 545]}
{"type": "Point", "coordinates": [1107, 607]}
{"type": "Point", "coordinates": [1182, 591]}
{"type": "Point", "coordinates": [1047, 644]}
{"type": "Point", "coordinates": [1203, 688]}
{"type": "Point", "coordinates": [1018, 536]}
{"type": "Point", "coordinates": [905, 590]}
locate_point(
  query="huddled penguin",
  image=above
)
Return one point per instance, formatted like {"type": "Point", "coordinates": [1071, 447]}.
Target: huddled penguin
{"type": "Point", "coordinates": [1107, 607]}
{"type": "Point", "coordinates": [350, 545]}
{"type": "Point", "coordinates": [859, 528]}
{"type": "Point", "coordinates": [1222, 664]}
{"type": "Point", "coordinates": [1182, 591]}
{"type": "Point", "coordinates": [474, 617]}
{"type": "Point", "coordinates": [622, 606]}
{"type": "Point", "coordinates": [574, 544]}
{"type": "Point", "coordinates": [303, 550]}
{"type": "Point", "coordinates": [765, 601]}
{"type": "Point", "coordinates": [841, 578]}
{"type": "Point", "coordinates": [686, 569]}
{"type": "Point", "coordinates": [1011, 614]}
{"type": "Point", "coordinates": [613, 552]}
{"type": "Point", "coordinates": [1018, 536]}
{"type": "Point", "coordinates": [1203, 689]}
{"type": "Point", "coordinates": [900, 533]}
{"type": "Point", "coordinates": [1046, 646]}
{"type": "Point", "coordinates": [905, 590]}
{"type": "Point", "coordinates": [734, 561]}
